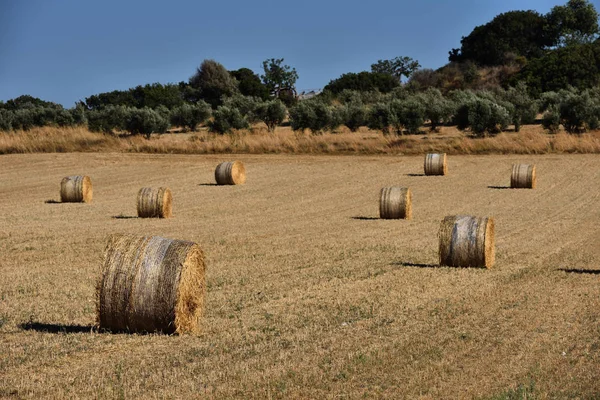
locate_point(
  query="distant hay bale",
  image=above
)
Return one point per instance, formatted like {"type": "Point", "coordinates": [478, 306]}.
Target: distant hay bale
{"type": "Point", "coordinates": [76, 189]}
{"type": "Point", "coordinates": [151, 284]}
{"type": "Point", "coordinates": [230, 173]}
{"type": "Point", "coordinates": [395, 203]}
{"type": "Point", "coordinates": [435, 164]}
{"type": "Point", "coordinates": [523, 176]}
{"type": "Point", "coordinates": [154, 203]}
{"type": "Point", "coordinates": [467, 241]}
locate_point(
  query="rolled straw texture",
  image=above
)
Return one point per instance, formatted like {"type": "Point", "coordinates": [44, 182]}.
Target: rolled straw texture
{"type": "Point", "coordinates": [154, 203]}
{"type": "Point", "coordinates": [151, 284]}
{"type": "Point", "coordinates": [523, 176]}
{"type": "Point", "coordinates": [435, 164]}
{"type": "Point", "coordinates": [467, 241]}
{"type": "Point", "coordinates": [230, 173]}
{"type": "Point", "coordinates": [395, 203]}
{"type": "Point", "coordinates": [76, 189]}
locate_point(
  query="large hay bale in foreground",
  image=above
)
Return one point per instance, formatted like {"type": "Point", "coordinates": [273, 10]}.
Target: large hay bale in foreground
{"type": "Point", "coordinates": [154, 203]}
{"type": "Point", "coordinates": [151, 284]}
{"type": "Point", "coordinates": [76, 189]}
{"type": "Point", "coordinates": [523, 176]}
{"type": "Point", "coordinates": [435, 164]}
{"type": "Point", "coordinates": [395, 203]}
{"type": "Point", "coordinates": [230, 173]}
{"type": "Point", "coordinates": [467, 241]}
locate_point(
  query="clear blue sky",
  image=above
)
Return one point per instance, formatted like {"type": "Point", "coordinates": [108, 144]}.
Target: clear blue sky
{"type": "Point", "coordinates": [66, 50]}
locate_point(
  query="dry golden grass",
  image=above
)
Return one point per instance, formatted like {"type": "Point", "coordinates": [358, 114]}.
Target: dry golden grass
{"type": "Point", "coordinates": [309, 294]}
{"type": "Point", "coordinates": [531, 140]}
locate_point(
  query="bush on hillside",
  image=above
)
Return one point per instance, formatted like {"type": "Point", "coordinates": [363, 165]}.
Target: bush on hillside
{"type": "Point", "coordinates": [145, 121]}
{"type": "Point", "coordinates": [190, 116]}
{"type": "Point", "coordinates": [272, 113]}
{"type": "Point", "coordinates": [226, 119]}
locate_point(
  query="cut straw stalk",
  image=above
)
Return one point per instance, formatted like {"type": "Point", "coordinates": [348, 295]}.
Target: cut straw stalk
{"type": "Point", "coordinates": [155, 203]}
{"type": "Point", "coordinates": [76, 189]}
{"type": "Point", "coordinates": [467, 241]}
{"type": "Point", "coordinates": [435, 164]}
{"type": "Point", "coordinates": [395, 203]}
{"type": "Point", "coordinates": [523, 176]}
{"type": "Point", "coordinates": [230, 173]}
{"type": "Point", "coordinates": [151, 284]}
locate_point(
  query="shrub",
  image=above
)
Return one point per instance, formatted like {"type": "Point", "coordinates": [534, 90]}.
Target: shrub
{"type": "Point", "coordinates": [381, 117]}
{"type": "Point", "coordinates": [272, 113]}
{"type": "Point", "coordinates": [190, 116]}
{"type": "Point", "coordinates": [23, 119]}
{"type": "Point", "coordinates": [225, 119]}
{"type": "Point", "coordinates": [408, 114]}
{"type": "Point", "coordinates": [354, 115]}
{"type": "Point", "coordinates": [487, 116]}
{"type": "Point", "coordinates": [551, 119]}
{"type": "Point", "coordinates": [246, 105]}
{"type": "Point", "coordinates": [108, 119]}
{"type": "Point", "coordinates": [524, 108]}
{"type": "Point", "coordinates": [578, 112]}
{"type": "Point", "coordinates": [78, 114]}
{"type": "Point", "coordinates": [314, 115]}
{"type": "Point", "coordinates": [249, 83]}
{"type": "Point", "coordinates": [438, 109]}
{"type": "Point", "coordinates": [145, 121]}
{"type": "Point", "coordinates": [6, 119]}
{"type": "Point", "coordinates": [363, 81]}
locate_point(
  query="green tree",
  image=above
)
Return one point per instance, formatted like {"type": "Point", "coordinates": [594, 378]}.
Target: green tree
{"type": "Point", "coordinates": [278, 76]}
{"type": "Point", "coordinates": [190, 116]}
{"type": "Point", "coordinates": [381, 117]}
{"type": "Point", "coordinates": [438, 109]}
{"type": "Point", "coordinates": [363, 82]}
{"type": "Point", "coordinates": [397, 67]}
{"type": "Point", "coordinates": [574, 23]}
{"type": "Point", "coordinates": [225, 119]}
{"type": "Point", "coordinates": [214, 82]}
{"type": "Point", "coordinates": [272, 113]}
{"type": "Point", "coordinates": [524, 108]}
{"type": "Point", "coordinates": [523, 33]}
{"type": "Point", "coordinates": [145, 121]}
{"type": "Point", "coordinates": [249, 83]}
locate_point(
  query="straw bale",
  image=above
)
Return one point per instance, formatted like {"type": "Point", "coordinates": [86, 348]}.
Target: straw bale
{"type": "Point", "coordinates": [230, 173]}
{"type": "Point", "coordinates": [467, 241]}
{"type": "Point", "coordinates": [436, 164]}
{"type": "Point", "coordinates": [76, 189]}
{"type": "Point", "coordinates": [151, 284]}
{"type": "Point", "coordinates": [395, 203]}
{"type": "Point", "coordinates": [154, 203]}
{"type": "Point", "coordinates": [523, 176]}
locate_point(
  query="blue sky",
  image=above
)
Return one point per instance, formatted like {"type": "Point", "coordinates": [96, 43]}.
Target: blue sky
{"type": "Point", "coordinates": [66, 50]}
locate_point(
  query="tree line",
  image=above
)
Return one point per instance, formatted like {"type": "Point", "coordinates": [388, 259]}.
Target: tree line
{"type": "Point", "coordinates": [506, 72]}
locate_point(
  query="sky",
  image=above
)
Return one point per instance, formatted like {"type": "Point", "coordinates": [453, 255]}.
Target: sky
{"type": "Point", "coordinates": [66, 50]}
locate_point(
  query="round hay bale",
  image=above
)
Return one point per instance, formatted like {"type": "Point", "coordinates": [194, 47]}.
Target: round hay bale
{"type": "Point", "coordinates": [230, 173]}
{"type": "Point", "coordinates": [523, 176]}
{"type": "Point", "coordinates": [154, 203]}
{"type": "Point", "coordinates": [76, 189]}
{"type": "Point", "coordinates": [151, 284]}
{"type": "Point", "coordinates": [467, 241]}
{"type": "Point", "coordinates": [435, 164]}
{"type": "Point", "coordinates": [395, 203]}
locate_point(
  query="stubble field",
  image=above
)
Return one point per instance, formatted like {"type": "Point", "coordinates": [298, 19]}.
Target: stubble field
{"type": "Point", "coordinates": [310, 295]}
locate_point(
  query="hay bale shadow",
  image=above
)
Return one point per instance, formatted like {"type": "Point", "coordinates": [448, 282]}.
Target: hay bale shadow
{"type": "Point", "coordinates": [415, 175]}
{"type": "Point", "coordinates": [414, 265]}
{"type": "Point", "coordinates": [52, 201]}
{"type": "Point", "coordinates": [361, 218]}
{"type": "Point", "coordinates": [580, 271]}
{"type": "Point", "coordinates": [57, 328]}
{"type": "Point", "coordinates": [124, 216]}
{"type": "Point", "coordinates": [499, 187]}
{"type": "Point", "coordinates": [208, 184]}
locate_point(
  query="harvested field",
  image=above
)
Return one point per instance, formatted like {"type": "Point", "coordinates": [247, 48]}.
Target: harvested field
{"type": "Point", "coordinates": [309, 293]}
